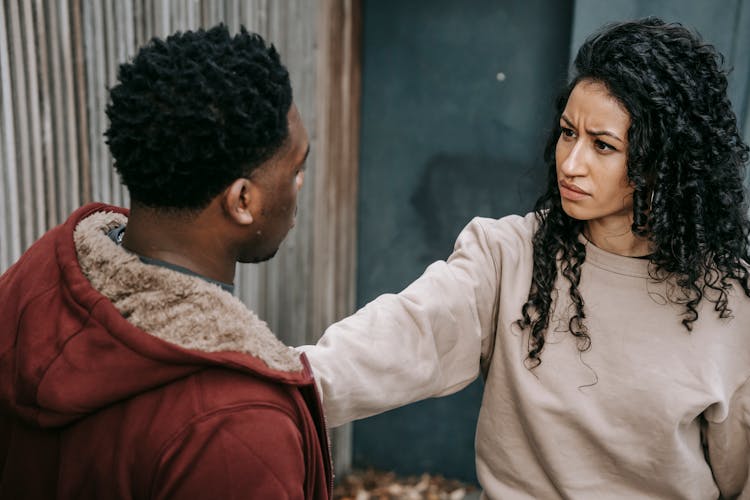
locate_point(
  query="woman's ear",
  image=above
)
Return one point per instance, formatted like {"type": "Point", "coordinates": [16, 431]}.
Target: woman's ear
{"type": "Point", "coordinates": [239, 201]}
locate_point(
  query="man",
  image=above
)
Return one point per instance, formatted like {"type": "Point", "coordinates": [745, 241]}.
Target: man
{"type": "Point", "coordinates": [127, 368]}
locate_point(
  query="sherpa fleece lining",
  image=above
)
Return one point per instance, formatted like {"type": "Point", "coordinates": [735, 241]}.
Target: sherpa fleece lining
{"type": "Point", "coordinates": [177, 308]}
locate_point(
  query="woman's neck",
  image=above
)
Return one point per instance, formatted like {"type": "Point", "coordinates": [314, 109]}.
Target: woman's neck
{"type": "Point", "coordinates": [617, 237]}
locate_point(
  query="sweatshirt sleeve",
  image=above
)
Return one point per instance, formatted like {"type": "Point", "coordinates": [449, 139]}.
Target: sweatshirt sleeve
{"type": "Point", "coordinates": [424, 342]}
{"type": "Point", "coordinates": [234, 454]}
{"type": "Point", "coordinates": [729, 447]}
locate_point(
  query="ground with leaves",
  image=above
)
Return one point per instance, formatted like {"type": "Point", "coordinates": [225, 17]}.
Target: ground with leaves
{"type": "Point", "coordinates": [378, 485]}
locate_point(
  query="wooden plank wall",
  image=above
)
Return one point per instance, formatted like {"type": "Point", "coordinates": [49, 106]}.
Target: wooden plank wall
{"type": "Point", "coordinates": [57, 60]}
{"type": "Point", "coordinates": [334, 252]}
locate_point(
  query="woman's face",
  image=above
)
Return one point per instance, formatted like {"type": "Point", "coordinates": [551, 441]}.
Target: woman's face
{"type": "Point", "coordinates": [591, 155]}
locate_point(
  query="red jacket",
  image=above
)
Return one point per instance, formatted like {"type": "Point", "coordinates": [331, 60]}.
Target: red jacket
{"type": "Point", "coordinates": [208, 404]}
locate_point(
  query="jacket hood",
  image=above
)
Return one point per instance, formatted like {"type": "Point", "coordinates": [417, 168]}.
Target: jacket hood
{"type": "Point", "coordinates": [86, 324]}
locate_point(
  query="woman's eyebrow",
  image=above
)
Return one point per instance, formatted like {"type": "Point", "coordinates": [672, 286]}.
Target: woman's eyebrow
{"type": "Point", "coordinates": [593, 132]}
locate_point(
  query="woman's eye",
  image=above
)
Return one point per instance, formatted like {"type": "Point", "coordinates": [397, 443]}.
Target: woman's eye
{"type": "Point", "coordinates": [567, 132]}
{"type": "Point", "coordinates": [603, 146]}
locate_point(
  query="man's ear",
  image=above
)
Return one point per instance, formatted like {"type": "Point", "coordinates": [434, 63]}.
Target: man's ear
{"type": "Point", "coordinates": [240, 201]}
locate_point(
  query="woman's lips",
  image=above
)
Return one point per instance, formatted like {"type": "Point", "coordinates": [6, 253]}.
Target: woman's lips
{"type": "Point", "coordinates": [572, 192]}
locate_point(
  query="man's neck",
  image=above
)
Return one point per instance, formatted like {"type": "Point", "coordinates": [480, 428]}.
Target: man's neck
{"type": "Point", "coordinates": [187, 240]}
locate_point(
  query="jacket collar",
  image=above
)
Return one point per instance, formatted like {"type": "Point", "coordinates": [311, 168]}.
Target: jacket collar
{"type": "Point", "coordinates": [177, 308]}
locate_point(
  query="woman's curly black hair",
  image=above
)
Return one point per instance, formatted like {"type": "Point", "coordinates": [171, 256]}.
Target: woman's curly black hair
{"type": "Point", "coordinates": [194, 112]}
{"type": "Point", "coordinates": [686, 162]}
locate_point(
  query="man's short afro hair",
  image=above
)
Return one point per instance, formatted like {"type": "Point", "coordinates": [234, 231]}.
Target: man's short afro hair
{"type": "Point", "coordinates": [192, 113]}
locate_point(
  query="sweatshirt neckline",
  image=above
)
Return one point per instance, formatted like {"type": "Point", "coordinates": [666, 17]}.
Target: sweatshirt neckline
{"type": "Point", "coordinates": [620, 264]}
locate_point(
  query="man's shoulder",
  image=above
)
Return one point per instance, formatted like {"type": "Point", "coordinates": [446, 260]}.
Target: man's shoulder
{"type": "Point", "coordinates": [221, 390]}
{"type": "Point", "coordinates": [207, 399]}
{"type": "Point", "coordinates": [212, 416]}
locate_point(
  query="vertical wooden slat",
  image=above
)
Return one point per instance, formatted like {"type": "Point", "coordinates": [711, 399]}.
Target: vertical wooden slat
{"type": "Point", "coordinates": [149, 18]}
{"type": "Point", "coordinates": [204, 15]}
{"type": "Point", "coordinates": [212, 13]}
{"type": "Point", "coordinates": [45, 41]}
{"type": "Point", "coordinates": [37, 218]}
{"type": "Point", "coordinates": [80, 113]}
{"type": "Point", "coordinates": [128, 38]}
{"type": "Point", "coordinates": [21, 126]}
{"type": "Point", "coordinates": [177, 15]}
{"type": "Point", "coordinates": [10, 239]}
{"type": "Point", "coordinates": [71, 163]}
{"type": "Point", "coordinates": [20, 115]}
{"type": "Point", "coordinates": [162, 25]}
{"type": "Point", "coordinates": [56, 178]}
{"type": "Point", "coordinates": [336, 186]}
{"type": "Point", "coordinates": [35, 132]}
{"type": "Point", "coordinates": [232, 15]}
{"type": "Point", "coordinates": [138, 22]}
{"type": "Point", "coordinates": [351, 86]}
{"type": "Point", "coordinates": [254, 16]}
{"type": "Point", "coordinates": [95, 76]}
{"type": "Point", "coordinates": [334, 250]}
{"type": "Point", "coordinates": [193, 13]}
{"type": "Point", "coordinates": [112, 44]}
{"type": "Point", "coordinates": [121, 41]}
{"type": "Point", "coordinates": [218, 12]}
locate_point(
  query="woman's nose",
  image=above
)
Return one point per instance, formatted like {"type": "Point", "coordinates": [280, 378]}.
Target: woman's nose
{"type": "Point", "coordinates": [574, 162]}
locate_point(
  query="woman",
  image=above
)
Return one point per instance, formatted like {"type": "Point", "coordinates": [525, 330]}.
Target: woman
{"type": "Point", "coordinates": [612, 325]}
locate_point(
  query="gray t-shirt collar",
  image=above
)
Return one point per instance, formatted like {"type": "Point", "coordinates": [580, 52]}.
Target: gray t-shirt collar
{"type": "Point", "coordinates": [117, 234]}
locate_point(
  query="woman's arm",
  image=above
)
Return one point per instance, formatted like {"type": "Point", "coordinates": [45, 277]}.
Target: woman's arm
{"type": "Point", "coordinates": [423, 342]}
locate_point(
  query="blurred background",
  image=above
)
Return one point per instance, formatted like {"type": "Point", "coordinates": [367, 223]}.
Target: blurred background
{"type": "Point", "coordinates": [421, 113]}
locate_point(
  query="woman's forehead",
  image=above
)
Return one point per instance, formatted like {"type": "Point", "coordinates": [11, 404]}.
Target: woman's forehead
{"type": "Point", "coordinates": [592, 102]}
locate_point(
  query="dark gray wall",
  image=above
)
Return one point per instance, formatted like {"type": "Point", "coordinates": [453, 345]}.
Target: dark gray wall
{"type": "Point", "coordinates": [444, 138]}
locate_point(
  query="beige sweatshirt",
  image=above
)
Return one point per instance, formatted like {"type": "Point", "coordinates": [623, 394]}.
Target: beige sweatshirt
{"type": "Point", "coordinates": [622, 420]}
